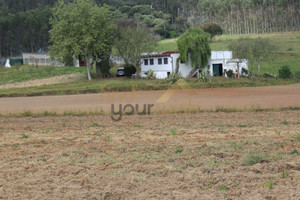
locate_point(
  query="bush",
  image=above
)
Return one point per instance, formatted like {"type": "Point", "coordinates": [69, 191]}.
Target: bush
{"type": "Point", "coordinates": [268, 75]}
{"type": "Point", "coordinates": [173, 78]}
{"type": "Point", "coordinates": [150, 75]}
{"type": "Point", "coordinates": [212, 29]}
{"type": "Point", "coordinates": [113, 70]}
{"type": "Point", "coordinates": [284, 72]}
{"type": "Point", "coordinates": [297, 75]}
{"type": "Point", "coordinates": [129, 69]}
{"type": "Point", "coordinates": [203, 77]}
{"type": "Point", "coordinates": [229, 73]}
{"type": "Point", "coordinates": [173, 34]}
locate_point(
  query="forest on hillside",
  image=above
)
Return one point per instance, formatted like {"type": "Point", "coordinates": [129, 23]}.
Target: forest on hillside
{"type": "Point", "coordinates": [24, 24]}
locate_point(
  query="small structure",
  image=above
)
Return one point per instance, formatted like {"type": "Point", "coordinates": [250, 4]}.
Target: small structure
{"type": "Point", "coordinates": [163, 64]}
{"type": "Point", "coordinates": [42, 59]}
{"type": "Point", "coordinates": [7, 64]}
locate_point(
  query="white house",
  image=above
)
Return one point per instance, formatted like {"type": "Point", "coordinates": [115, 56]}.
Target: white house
{"type": "Point", "coordinates": [163, 64]}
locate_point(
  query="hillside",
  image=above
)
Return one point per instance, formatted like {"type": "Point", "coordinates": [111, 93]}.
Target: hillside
{"type": "Point", "coordinates": [288, 51]}
{"type": "Point", "coordinates": [24, 25]}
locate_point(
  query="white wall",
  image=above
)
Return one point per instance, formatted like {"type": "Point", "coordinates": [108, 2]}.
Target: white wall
{"type": "Point", "coordinates": [160, 70]}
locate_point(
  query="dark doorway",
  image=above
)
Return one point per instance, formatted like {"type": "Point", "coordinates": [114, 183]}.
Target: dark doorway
{"type": "Point", "coordinates": [218, 69]}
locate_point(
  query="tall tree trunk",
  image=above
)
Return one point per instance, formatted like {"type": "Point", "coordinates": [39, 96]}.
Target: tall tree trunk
{"type": "Point", "coordinates": [87, 62]}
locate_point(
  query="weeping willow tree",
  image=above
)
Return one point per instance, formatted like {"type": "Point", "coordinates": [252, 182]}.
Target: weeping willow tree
{"type": "Point", "coordinates": [194, 45]}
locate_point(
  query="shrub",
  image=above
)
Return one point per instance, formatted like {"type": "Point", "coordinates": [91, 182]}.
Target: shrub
{"type": "Point", "coordinates": [113, 70]}
{"type": "Point", "coordinates": [203, 77]}
{"type": "Point", "coordinates": [129, 69]}
{"type": "Point", "coordinates": [212, 29]}
{"type": "Point", "coordinates": [268, 75]}
{"type": "Point", "coordinates": [297, 75]}
{"type": "Point", "coordinates": [150, 75]}
{"type": "Point", "coordinates": [229, 73]}
{"type": "Point", "coordinates": [284, 72]}
{"type": "Point", "coordinates": [173, 34]}
{"type": "Point", "coordinates": [173, 78]}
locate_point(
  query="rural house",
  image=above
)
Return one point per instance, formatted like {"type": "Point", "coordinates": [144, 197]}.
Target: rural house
{"type": "Point", "coordinates": [163, 64]}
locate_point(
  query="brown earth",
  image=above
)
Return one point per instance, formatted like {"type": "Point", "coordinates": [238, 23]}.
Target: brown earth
{"type": "Point", "coordinates": [243, 155]}
{"type": "Point", "coordinates": [263, 97]}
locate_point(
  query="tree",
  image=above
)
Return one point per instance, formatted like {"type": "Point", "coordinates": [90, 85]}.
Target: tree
{"type": "Point", "coordinates": [81, 29]}
{"type": "Point", "coordinates": [212, 29]}
{"type": "Point", "coordinates": [132, 41]}
{"type": "Point", "coordinates": [194, 44]}
{"type": "Point", "coordinates": [255, 50]}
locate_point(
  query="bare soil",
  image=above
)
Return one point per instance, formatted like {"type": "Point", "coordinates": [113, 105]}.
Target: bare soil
{"type": "Point", "coordinates": [247, 155]}
{"type": "Point", "coordinates": [212, 98]}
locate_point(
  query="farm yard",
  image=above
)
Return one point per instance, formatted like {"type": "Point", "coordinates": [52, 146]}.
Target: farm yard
{"type": "Point", "coordinates": [216, 155]}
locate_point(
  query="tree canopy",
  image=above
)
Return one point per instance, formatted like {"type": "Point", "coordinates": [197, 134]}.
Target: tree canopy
{"type": "Point", "coordinates": [81, 29]}
{"type": "Point", "coordinates": [255, 50]}
{"type": "Point", "coordinates": [132, 41]}
{"type": "Point", "coordinates": [194, 44]}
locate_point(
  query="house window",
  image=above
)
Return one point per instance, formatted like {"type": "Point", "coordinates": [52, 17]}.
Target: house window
{"type": "Point", "coordinates": [165, 61]}
{"type": "Point", "coordinates": [159, 61]}
{"type": "Point", "coordinates": [42, 60]}
{"type": "Point", "coordinates": [146, 61]}
{"type": "Point", "coordinates": [182, 62]}
{"type": "Point", "coordinates": [26, 61]}
{"type": "Point", "coordinates": [151, 62]}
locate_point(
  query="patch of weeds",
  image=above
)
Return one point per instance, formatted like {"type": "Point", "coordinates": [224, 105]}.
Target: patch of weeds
{"type": "Point", "coordinates": [285, 122]}
{"type": "Point", "coordinates": [16, 145]}
{"type": "Point", "coordinates": [137, 126]}
{"type": "Point", "coordinates": [210, 184]}
{"type": "Point", "coordinates": [173, 132]}
{"type": "Point", "coordinates": [24, 136]}
{"type": "Point", "coordinates": [284, 173]}
{"type": "Point", "coordinates": [297, 138]}
{"type": "Point", "coordinates": [179, 150]}
{"type": "Point", "coordinates": [251, 159]}
{"type": "Point", "coordinates": [108, 139]}
{"type": "Point", "coordinates": [43, 140]}
{"type": "Point", "coordinates": [269, 184]}
{"type": "Point", "coordinates": [95, 125]}
{"type": "Point", "coordinates": [241, 126]}
{"type": "Point", "coordinates": [223, 188]}
{"type": "Point", "coordinates": [106, 196]}
{"type": "Point", "coordinates": [294, 152]}
{"type": "Point", "coordinates": [236, 146]}
{"type": "Point", "coordinates": [236, 184]}
{"type": "Point", "coordinates": [98, 133]}
{"type": "Point", "coordinates": [64, 124]}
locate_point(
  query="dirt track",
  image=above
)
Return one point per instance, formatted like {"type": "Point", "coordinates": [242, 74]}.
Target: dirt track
{"type": "Point", "coordinates": [263, 97]}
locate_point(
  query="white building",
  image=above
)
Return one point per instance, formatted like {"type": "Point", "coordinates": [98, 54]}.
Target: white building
{"type": "Point", "coordinates": [163, 64]}
{"type": "Point", "coordinates": [42, 59]}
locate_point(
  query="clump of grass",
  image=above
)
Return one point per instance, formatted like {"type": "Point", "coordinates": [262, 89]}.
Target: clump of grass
{"type": "Point", "coordinates": [297, 138]}
{"type": "Point", "coordinates": [210, 184]}
{"type": "Point", "coordinates": [173, 132]}
{"type": "Point", "coordinates": [294, 152]}
{"type": "Point", "coordinates": [223, 188]}
{"type": "Point", "coordinates": [251, 159]}
{"type": "Point", "coordinates": [137, 126]}
{"type": "Point", "coordinates": [269, 184]}
{"type": "Point", "coordinates": [179, 150]}
{"type": "Point", "coordinates": [285, 122]}
{"type": "Point", "coordinates": [95, 125]}
{"type": "Point", "coordinates": [24, 136]}
{"type": "Point", "coordinates": [284, 173]}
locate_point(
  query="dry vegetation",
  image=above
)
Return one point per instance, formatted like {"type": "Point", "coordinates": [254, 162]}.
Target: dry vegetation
{"type": "Point", "coordinates": [218, 155]}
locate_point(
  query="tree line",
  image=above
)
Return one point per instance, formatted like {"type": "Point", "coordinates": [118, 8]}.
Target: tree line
{"type": "Point", "coordinates": [24, 24]}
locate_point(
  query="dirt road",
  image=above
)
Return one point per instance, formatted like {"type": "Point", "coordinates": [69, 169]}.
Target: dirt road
{"type": "Point", "coordinates": [263, 97]}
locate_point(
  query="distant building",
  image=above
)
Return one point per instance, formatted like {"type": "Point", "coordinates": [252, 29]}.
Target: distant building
{"type": "Point", "coordinates": [42, 59]}
{"type": "Point", "coordinates": [163, 64]}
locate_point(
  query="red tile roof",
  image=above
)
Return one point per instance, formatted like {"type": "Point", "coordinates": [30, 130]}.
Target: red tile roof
{"type": "Point", "coordinates": [163, 54]}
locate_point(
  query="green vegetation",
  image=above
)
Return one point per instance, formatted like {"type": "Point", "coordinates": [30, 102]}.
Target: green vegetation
{"type": "Point", "coordinates": [26, 73]}
{"type": "Point", "coordinates": [287, 52]}
{"type": "Point", "coordinates": [81, 29]}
